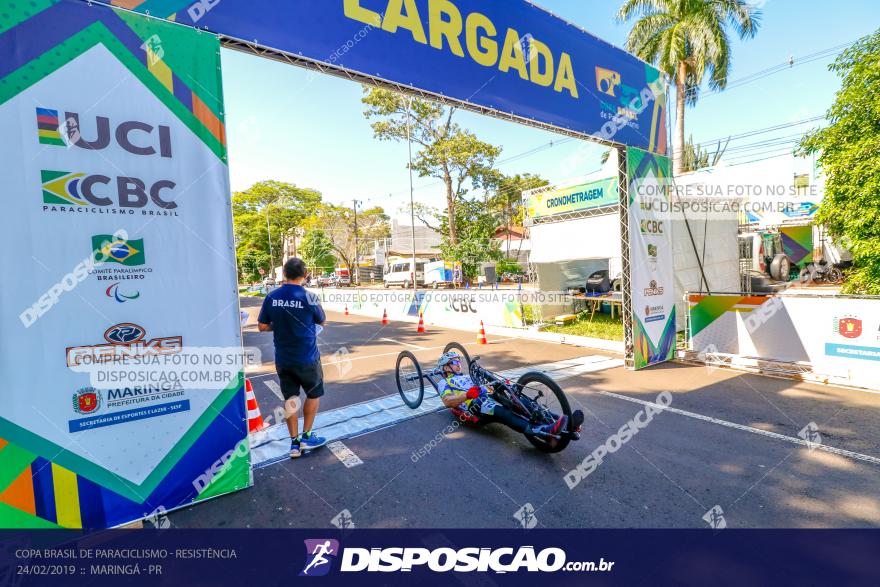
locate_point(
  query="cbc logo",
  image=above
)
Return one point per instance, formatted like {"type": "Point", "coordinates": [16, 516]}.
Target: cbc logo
{"type": "Point", "coordinates": [607, 81]}
{"type": "Point", "coordinates": [462, 304]}
{"type": "Point", "coordinates": [651, 226]}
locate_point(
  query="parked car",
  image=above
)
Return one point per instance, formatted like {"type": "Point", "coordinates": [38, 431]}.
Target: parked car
{"type": "Point", "coordinates": [342, 277]}
{"type": "Point", "coordinates": [325, 280]}
{"type": "Point", "coordinates": [401, 273]}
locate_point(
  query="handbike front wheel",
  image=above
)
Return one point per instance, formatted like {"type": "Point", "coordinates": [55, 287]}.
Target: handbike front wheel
{"type": "Point", "coordinates": [410, 384]}
{"type": "Point", "coordinates": [547, 394]}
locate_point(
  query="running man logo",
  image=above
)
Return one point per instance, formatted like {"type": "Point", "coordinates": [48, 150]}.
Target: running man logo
{"type": "Point", "coordinates": [607, 81]}
{"type": "Point", "coordinates": [111, 249]}
{"type": "Point", "coordinates": [319, 556]}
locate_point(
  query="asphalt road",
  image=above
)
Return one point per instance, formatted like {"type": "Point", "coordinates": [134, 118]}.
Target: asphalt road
{"type": "Point", "coordinates": [729, 440]}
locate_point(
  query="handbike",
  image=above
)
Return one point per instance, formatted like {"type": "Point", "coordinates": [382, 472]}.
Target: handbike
{"type": "Point", "coordinates": [534, 395]}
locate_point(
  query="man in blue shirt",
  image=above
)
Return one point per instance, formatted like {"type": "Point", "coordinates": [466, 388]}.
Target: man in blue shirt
{"type": "Point", "coordinates": [294, 316]}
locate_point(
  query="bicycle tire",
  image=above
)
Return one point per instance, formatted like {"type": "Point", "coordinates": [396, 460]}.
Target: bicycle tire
{"type": "Point", "coordinates": [411, 401]}
{"type": "Point", "coordinates": [537, 442]}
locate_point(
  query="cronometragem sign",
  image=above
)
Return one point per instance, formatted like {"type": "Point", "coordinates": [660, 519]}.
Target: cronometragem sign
{"type": "Point", "coordinates": [116, 196]}
{"type": "Point", "coordinates": [507, 55]}
{"type": "Point", "coordinates": [594, 194]}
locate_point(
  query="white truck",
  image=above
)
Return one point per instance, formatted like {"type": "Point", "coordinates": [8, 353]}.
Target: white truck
{"type": "Point", "coordinates": [442, 273]}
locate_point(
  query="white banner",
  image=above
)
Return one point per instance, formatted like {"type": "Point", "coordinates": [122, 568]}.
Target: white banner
{"type": "Point", "coordinates": [651, 259]}
{"type": "Point", "coordinates": [455, 309]}
{"type": "Point", "coordinates": [838, 337]}
{"type": "Point", "coordinates": [116, 238]}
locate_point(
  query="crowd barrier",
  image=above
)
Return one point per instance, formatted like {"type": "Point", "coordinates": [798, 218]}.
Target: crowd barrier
{"type": "Point", "coordinates": [835, 338]}
{"type": "Point", "coordinates": [455, 309]}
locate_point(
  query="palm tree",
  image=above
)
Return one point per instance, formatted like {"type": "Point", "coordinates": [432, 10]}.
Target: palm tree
{"type": "Point", "coordinates": [688, 39]}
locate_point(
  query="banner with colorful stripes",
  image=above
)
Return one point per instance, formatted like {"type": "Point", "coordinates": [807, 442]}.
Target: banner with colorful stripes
{"type": "Point", "coordinates": [117, 231]}
{"type": "Point", "coordinates": [651, 251]}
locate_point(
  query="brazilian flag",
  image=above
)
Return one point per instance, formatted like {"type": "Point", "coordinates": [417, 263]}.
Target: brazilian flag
{"type": "Point", "coordinates": [111, 249]}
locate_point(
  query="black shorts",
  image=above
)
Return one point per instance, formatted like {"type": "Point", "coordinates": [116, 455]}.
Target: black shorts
{"type": "Point", "coordinates": [308, 377]}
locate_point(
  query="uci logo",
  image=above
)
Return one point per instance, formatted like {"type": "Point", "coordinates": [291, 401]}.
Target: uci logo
{"type": "Point", "coordinates": [124, 333]}
{"type": "Point", "coordinates": [135, 137]}
{"type": "Point", "coordinates": [651, 226]}
{"type": "Point", "coordinates": [462, 304]}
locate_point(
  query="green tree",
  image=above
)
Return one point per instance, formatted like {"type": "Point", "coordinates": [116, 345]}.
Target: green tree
{"type": "Point", "coordinates": [445, 150]}
{"type": "Point", "coordinates": [506, 199]}
{"type": "Point", "coordinates": [249, 264]}
{"type": "Point", "coordinates": [286, 205]}
{"type": "Point", "coordinates": [476, 243]}
{"type": "Point", "coordinates": [849, 154]}
{"type": "Point", "coordinates": [317, 251]}
{"type": "Point", "coordinates": [688, 39]}
{"type": "Point", "coordinates": [337, 223]}
{"type": "Point", "coordinates": [696, 157]}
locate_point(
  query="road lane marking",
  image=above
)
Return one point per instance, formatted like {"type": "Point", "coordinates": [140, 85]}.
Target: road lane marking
{"type": "Point", "coordinates": [725, 423]}
{"type": "Point", "coordinates": [345, 454]}
{"type": "Point", "coordinates": [415, 346]}
{"type": "Point", "coordinates": [274, 388]}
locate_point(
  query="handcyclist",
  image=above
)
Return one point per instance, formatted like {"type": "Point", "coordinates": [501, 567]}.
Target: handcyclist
{"type": "Point", "coordinates": [468, 400]}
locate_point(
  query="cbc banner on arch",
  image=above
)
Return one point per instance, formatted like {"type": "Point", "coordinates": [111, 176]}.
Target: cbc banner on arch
{"type": "Point", "coordinates": [115, 240]}
{"type": "Point", "coordinates": [651, 261]}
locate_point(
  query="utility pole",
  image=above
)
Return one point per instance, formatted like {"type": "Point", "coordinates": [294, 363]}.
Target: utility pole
{"type": "Point", "coordinates": [271, 256]}
{"type": "Point", "coordinates": [412, 206]}
{"type": "Point", "coordinates": [357, 264]}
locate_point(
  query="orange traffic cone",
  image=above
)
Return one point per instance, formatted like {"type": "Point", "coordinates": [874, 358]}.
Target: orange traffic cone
{"type": "Point", "coordinates": [481, 339]}
{"type": "Point", "coordinates": [384, 316]}
{"type": "Point", "coordinates": [255, 419]}
{"type": "Point", "coordinates": [421, 324]}
{"type": "Point", "coordinates": [346, 310]}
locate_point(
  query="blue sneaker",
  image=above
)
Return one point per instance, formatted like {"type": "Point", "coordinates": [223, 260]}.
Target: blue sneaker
{"type": "Point", "coordinates": [295, 451]}
{"type": "Point", "coordinates": [311, 441]}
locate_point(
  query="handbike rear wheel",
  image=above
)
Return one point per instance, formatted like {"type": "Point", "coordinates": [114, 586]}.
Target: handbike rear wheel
{"type": "Point", "coordinates": [542, 390]}
{"type": "Point", "coordinates": [410, 383]}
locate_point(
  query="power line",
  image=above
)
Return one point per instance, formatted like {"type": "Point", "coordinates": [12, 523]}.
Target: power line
{"type": "Point", "coordinates": [785, 66]}
{"type": "Point", "coordinates": [755, 76]}
{"type": "Point", "coordinates": [759, 160]}
{"type": "Point", "coordinates": [766, 130]}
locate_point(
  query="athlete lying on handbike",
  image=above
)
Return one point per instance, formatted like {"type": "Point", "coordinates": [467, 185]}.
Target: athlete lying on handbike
{"type": "Point", "coordinates": [474, 403]}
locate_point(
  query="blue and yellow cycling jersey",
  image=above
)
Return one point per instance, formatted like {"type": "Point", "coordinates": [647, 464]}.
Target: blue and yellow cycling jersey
{"type": "Point", "coordinates": [454, 385]}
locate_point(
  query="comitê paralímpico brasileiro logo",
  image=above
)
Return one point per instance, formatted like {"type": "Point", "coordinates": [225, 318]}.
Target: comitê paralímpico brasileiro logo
{"type": "Point", "coordinates": [112, 249]}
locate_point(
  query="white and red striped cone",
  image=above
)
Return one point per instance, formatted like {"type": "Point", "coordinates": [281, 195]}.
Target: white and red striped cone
{"type": "Point", "coordinates": [421, 324]}
{"type": "Point", "coordinates": [255, 419]}
{"type": "Point", "coordinates": [481, 339]}
{"type": "Point", "coordinates": [346, 310]}
{"type": "Point", "coordinates": [384, 316]}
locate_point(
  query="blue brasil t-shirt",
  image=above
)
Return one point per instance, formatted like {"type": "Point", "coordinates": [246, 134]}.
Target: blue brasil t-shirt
{"type": "Point", "coordinates": [293, 313]}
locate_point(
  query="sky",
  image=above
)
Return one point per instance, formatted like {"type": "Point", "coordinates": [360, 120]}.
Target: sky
{"type": "Point", "coordinates": [290, 124]}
